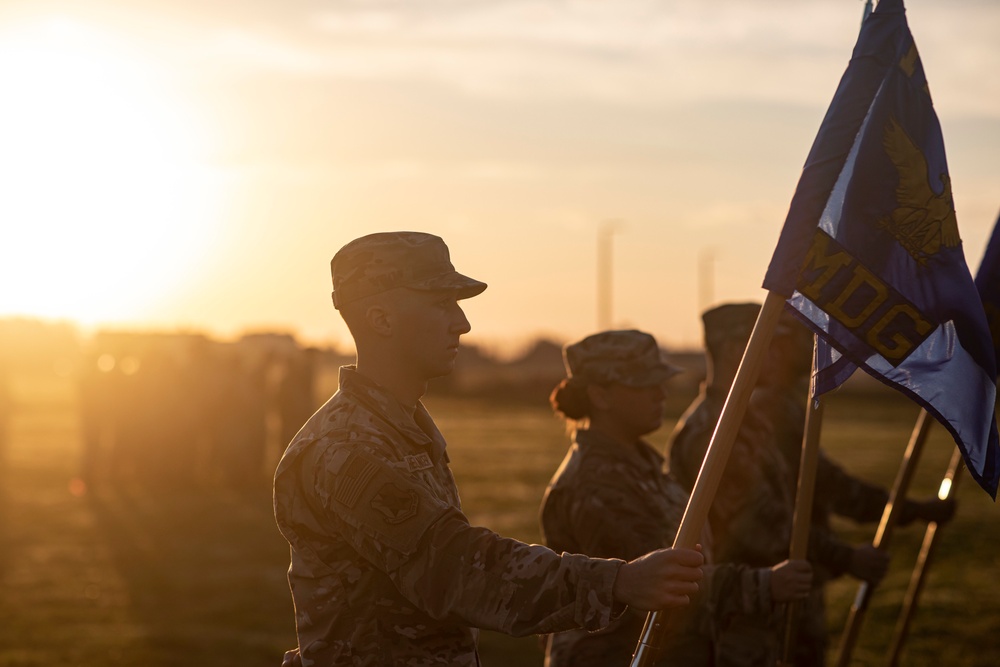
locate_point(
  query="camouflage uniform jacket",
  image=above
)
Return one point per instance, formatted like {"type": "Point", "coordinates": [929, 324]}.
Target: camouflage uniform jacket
{"type": "Point", "coordinates": [768, 448]}
{"type": "Point", "coordinates": [385, 568]}
{"type": "Point", "coordinates": [751, 515]}
{"type": "Point", "coordinates": [836, 491]}
{"type": "Point", "coordinates": [784, 408]}
{"type": "Point", "coordinates": [610, 501]}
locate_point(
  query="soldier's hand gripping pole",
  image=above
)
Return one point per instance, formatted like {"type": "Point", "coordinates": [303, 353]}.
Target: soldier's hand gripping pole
{"type": "Point", "coordinates": [946, 491]}
{"type": "Point", "coordinates": [689, 532]}
{"type": "Point", "coordinates": [897, 496]}
{"type": "Point", "coordinates": [802, 519]}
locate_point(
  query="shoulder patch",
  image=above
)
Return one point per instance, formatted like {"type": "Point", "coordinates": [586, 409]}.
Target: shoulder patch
{"type": "Point", "coordinates": [375, 504]}
{"type": "Point", "coordinates": [395, 504]}
{"type": "Point", "coordinates": [352, 479]}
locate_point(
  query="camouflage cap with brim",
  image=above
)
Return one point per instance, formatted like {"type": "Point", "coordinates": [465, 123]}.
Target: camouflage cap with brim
{"type": "Point", "coordinates": [386, 260]}
{"type": "Point", "coordinates": [730, 322]}
{"type": "Point", "coordinates": [628, 357]}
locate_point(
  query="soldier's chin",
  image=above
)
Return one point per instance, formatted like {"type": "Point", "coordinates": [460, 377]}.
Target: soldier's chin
{"type": "Point", "coordinates": [443, 370]}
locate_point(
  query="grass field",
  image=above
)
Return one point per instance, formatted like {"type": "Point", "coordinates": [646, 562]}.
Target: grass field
{"type": "Point", "coordinates": [141, 576]}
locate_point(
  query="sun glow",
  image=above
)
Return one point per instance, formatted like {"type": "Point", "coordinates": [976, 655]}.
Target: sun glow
{"type": "Point", "coordinates": [104, 204]}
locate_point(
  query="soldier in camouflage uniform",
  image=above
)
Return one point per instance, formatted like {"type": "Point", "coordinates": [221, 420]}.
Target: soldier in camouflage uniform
{"type": "Point", "coordinates": [612, 498]}
{"type": "Point", "coordinates": [751, 515]}
{"type": "Point", "coordinates": [752, 511]}
{"type": "Point", "coordinates": [385, 569]}
{"type": "Point", "coordinates": [780, 400]}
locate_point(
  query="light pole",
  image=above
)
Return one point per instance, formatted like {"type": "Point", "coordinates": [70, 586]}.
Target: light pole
{"type": "Point", "coordinates": [706, 277]}
{"type": "Point", "coordinates": [605, 232]}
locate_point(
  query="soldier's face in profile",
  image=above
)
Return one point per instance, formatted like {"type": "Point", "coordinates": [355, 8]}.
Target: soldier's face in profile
{"type": "Point", "coordinates": [429, 325]}
{"type": "Point", "coordinates": [789, 356]}
{"type": "Point", "coordinates": [639, 410]}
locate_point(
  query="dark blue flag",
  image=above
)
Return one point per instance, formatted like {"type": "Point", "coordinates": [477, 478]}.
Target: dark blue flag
{"type": "Point", "coordinates": [870, 255]}
{"type": "Point", "coordinates": [988, 284]}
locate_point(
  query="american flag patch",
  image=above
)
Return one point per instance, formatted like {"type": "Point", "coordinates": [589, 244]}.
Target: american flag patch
{"type": "Point", "coordinates": [352, 480]}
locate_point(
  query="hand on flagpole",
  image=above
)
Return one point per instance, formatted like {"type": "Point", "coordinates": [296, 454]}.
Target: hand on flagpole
{"type": "Point", "coordinates": [791, 580]}
{"type": "Point", "coordinates": [291, 658]}
{"type": "Point", "coordinates": [931, 510]}
{"type": "Point", "coordinates": [660, 580]}
{"type": "Point", "coordinates": [868, 563]}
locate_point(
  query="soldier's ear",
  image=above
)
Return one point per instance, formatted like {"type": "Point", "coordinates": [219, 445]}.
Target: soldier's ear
{"type": "Point", "coordinates": [379, 319]}
{"type": "Point", "coordinates": [598, 396]}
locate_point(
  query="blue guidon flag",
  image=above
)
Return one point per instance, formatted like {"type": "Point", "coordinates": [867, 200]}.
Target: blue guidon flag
{"type": "Point", "coordinates": [988, 284]}
{"type": "Point", "coordinates": [870, 255]}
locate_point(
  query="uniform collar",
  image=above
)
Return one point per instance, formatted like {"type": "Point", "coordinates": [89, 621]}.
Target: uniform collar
{"type": "Point", "coordinates": [642, 455]}
{"type": "Point", "coordinates": [415, 426]}
{"type": "Point", "coordinates": [715, 392]}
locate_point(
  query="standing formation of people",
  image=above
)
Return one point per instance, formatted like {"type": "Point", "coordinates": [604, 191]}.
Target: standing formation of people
{"type": "Point", "coordinates": [613, 496]}
{"type": "Point", "coordinates": [751, 515]}
{"type": "Point", "coordinates": [386, 569]}
{"type": "Point", "coordinates": [183, 412]}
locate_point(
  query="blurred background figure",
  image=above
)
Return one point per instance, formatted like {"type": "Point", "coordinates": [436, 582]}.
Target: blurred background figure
{"type": "Point", "coordinates": [780, 400]}
{"type": "Point", "coordinates": [171, 412]}
{"type": "Point", "coordinates": [296, 399]}
{"type": "Point", "coordinates": [98, 376]}
{"type": "Point", "coordinates": [239, 421]}
{"type": "Point", "coordinates": [612, 497]}
{"type": "Point", "coordinates": [752, 513]}
{"type": "Point", "coordinates": [6, 410]}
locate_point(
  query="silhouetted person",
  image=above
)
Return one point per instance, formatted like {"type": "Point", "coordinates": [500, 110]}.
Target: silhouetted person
{"type": "Point", "coordinates": [612, 497]}
{"type": "Point", "coordinates": [386, 570]}
{"type": "Point", "coordinates": [6, 412]}
{"type": "Point", "coordinates": [780, 399]}
{"type": "Point", "coordinates": [240, 423]}
{"type": "Point", "coordinates": [297, 393]}
{"type": "Point", "coordinates": [751, 514]}
{"type": "Point", "coordinates": [96, 430]}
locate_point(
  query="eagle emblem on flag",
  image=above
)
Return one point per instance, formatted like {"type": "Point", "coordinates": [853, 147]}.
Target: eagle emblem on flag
{"type": "Point", "coordinates": [923, 220]}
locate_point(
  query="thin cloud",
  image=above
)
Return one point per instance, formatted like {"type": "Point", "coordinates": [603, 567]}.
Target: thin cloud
{"type": "Point", "coordinates": [631, 52]}
{"type": "Point", "coordinates": [636, 52]}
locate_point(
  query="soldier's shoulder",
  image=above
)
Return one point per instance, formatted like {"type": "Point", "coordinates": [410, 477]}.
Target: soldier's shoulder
{"type": "Point", "coordinates": [691, 437]}
{"type": "Point", "coordinates": [598, 466]}
{"type": "Point", "coordinates": [335, 430]}
{"type": "Point", "coordinates": [674, 490]}
{"type": "Point", "coordinates": [344, 422]}
{"type": "Point", "coordinates": [587, 480]}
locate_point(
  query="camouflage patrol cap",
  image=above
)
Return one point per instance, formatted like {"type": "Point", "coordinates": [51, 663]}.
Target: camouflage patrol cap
{"type": "Point", "coordinates": [383, 261]}
{"type": "Point", "coordinates": [627, 357]}
{"type": "Point", "coordinates": [730, 322]}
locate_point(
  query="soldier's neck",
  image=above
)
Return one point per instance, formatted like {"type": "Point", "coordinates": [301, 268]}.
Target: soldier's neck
{"type": "Point", "coordinates": [406, 388]}
{"type": "Point", "coordinates": [613, 431]}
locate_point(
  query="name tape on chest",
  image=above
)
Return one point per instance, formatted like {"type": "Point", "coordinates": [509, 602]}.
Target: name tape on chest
{"type": "Point", "coordinates": [421, 461]}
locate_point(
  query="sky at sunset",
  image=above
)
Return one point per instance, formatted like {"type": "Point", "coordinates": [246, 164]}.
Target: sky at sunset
{"type": "Point", "coordinates": [180, 163]}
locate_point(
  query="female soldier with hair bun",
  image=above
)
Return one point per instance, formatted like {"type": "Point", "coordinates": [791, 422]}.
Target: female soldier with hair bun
{"type": "Point", "coordinates": [611, 497]}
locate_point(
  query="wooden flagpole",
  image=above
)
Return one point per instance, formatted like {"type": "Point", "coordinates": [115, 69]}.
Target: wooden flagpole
{"type": "Point", "coordinates": [689, 532]}
{"type": "Point", "coordinates": [945, 491]}
{"type": "Point", "coordinates": [802, 519]}
{"type": "Point", "coordinates": [884, 533]}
